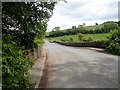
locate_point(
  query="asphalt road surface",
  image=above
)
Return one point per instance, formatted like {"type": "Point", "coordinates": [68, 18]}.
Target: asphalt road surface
{"type": "Point", "coordinates": [78, 67]}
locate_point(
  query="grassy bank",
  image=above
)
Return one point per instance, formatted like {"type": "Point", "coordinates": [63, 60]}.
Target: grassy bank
{"type": "Point", "coordinates": [94, 37]}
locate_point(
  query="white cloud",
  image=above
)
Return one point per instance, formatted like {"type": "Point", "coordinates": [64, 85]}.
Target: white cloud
{"type": "Point", "coordinates": [77, 12]}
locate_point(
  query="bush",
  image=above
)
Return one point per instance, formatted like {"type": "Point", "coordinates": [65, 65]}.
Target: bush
{"type": "Point", "coordinates": [80, 36]}
{"type": "Point", "coordinates": [89, 39]}
{"type": "Point", "coordinates": [114, 36]}
{"type": "Point", "coordinates": [71, 39]}
{"type": "Point", "coordinates": [14, 66]}
{"type": "Point", "coordinates": [64, 39]}
{"type": "Point", "coordinates": [114, 48]}
{"type": "Point", "coordinates": [114, 39]}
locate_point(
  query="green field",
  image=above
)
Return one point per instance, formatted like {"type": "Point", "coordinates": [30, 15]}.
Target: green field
{"type": "Point", "coordinates": [93, 27]}
{"type": "Point", "coordinates": [95, 37]}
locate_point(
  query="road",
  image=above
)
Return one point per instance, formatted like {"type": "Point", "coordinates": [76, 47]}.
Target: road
{"type": "Point", "coordinates": [78, 67]}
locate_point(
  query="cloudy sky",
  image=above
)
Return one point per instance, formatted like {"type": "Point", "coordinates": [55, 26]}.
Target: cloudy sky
{"type": "Point", "coordinates": [77, 12]}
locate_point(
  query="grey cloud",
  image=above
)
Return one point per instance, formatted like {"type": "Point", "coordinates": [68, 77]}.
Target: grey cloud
{"type": "Point", "coordinates": [75, 11]}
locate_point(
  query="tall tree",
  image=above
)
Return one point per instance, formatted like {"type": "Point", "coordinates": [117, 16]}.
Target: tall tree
{"type": "Point", "coordinates": [24, 21]}
{"type": "Point", "coordinates": [73, 27]}
{"type": "Point", "coordinates": [83, 24]}
{"type": "Point", "coordinates": [80, 26]}
{"type": "Point", "coordinates": [96, 23]}
{"type": "Point", "coordinates": [56, 28]}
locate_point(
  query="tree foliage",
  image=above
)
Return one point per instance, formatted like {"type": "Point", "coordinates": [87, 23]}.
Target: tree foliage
{"type": "Point", "coordinates": [26, 20]}
{"type": "Point", "coordinates": [56, 28]}
{"type": "Point", "coordinates": [110, 26]}
{"type": "Point", "coordinates": [114, 39]}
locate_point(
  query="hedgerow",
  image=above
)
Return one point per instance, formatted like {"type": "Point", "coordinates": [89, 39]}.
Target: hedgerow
{"type": "Point", "coordinates": [114, 39]}
{"type": "Point", "coordinates": [14, 66]}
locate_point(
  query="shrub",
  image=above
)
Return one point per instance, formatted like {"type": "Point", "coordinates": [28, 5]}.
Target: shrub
{"type": "Point", "coordinates": [114, 48]}
{"type": "Point", "coordinates": [14, 66]}
{"type": "Point", "coordinates": [114, 36]}
{"type": "Point", "coordinates": [71, 39]}
{"type": "Point", "coordinates": [64, 39]}
{"type": "Point", "coordinates": [114, 39]}
{"type": "Point", "coordinates": [89, 39]}
{"type": "Point", "coordinates": [80, 36]}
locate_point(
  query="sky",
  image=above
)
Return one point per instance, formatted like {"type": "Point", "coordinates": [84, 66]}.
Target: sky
{"type": "Point", "coordinates": [77, 12]}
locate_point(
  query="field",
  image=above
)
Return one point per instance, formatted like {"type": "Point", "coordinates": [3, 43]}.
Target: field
{"type": "Point", "coordinates": [94, 37]}
{"type": "Point", "coordinates": [93, 27]}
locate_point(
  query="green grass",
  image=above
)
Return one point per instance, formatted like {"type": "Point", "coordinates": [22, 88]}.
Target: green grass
{"type": "Point", "coordinates": [95, 37]}
{"type": "Point", "coordinates": [93, 27]}
{"type": "Point", "coordinates": [47, 33]}
{"type": "Point", "coordinates": [39, 42]}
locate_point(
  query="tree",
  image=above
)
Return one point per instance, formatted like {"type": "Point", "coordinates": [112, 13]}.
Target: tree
{"type": "Point", "coordinates": [25, 21]}
{"type": "Point", "coordinates": [118, 23]}
{"type": "Point", "coordinates": [73, 27]}
{"type": "Point", "coordinates": [110, 26]}
{"type": "Point", "coordinates": [56, 28]}
{"type": "Point", "coordinates": [83, 24]}
{"type": "Point", "coordinates": [80, 26]}
{"type": "Point", "coordinates": [96, 23]}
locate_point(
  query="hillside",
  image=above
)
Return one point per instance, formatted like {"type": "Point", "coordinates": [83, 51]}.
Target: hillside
{"type": "Point", "coordinates": [74, 38]}
{"type": "Point", "coordinates": [93, 29]}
